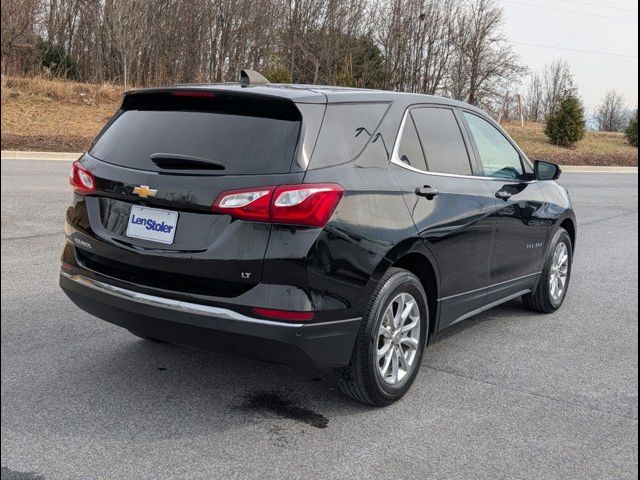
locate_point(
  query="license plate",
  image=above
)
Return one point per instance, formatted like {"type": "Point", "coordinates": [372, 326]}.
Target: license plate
{"type": "Point", "coordinates": [152, 224]}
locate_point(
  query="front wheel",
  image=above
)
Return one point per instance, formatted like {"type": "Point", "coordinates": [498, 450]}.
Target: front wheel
{"type": "Point", "coordinates": [389, 347]}
{"type": "Point", "coordinates": [556, 273]}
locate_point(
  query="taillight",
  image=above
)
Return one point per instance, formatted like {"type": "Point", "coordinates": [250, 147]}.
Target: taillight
{"type": "Point", "coordinates": [247, 203]}
{"type": "Point", "coordinates": [82, 181]}
{"type": "Point", "coordinates": [311, 204]}
{"type": "Point", "coordinates": [308, 204]}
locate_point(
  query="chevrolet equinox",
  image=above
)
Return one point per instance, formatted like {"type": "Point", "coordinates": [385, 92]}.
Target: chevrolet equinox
{"type": "Point", "coordinates": [302, 224]}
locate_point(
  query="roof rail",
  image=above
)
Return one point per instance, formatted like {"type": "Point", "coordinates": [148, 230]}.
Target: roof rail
{"type": "Point", "coordinates": [251, 77]}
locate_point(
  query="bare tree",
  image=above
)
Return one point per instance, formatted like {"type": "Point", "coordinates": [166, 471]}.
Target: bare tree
{"type": "Point", "coordinates": [439, 41]}
{"type": "Point", "coordinates": [18, 35]}
{"type": "Point", "coordinates": [485, 64]}
{"type": "Point", "coordinates": [611, 114]}
{"type": "Point", "coordinates": [416, 38]}
{"type": "Point", "coordinates": [557, 84]}
{"type": "Point", "coordinates": [534, 99]}
{"type": "Point", "coordinates": [444, 47]}
{"type": "Point", "coordinates": [124, 28]}
{"type": "Point", "coordinates": [546, 88]}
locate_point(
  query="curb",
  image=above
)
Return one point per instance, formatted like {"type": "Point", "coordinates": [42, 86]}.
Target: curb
{"type": "Point", "coordinates": [596, 169]}
{"type": "Point", "coordinates": [52, 156]}
{"type": "Point", "coordinates": [67, 157]}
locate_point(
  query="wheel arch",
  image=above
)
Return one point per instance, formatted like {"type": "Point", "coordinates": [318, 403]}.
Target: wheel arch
{"type": "Point", "coordinates": [421, 267]}
{"type": "Point", "coordinates": [418, 259]}
{"type": "Point", "coordinates": [569, 225]}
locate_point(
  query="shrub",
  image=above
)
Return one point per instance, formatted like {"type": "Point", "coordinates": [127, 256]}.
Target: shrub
{"type": "Point", "coordinates": [565, 125]}
{"type": "Point", "coordinates": [632, 130]}
{"type": "Point", "coordinates": [56, 61]}
{"type": "Point", "coordinates": [278, 74]}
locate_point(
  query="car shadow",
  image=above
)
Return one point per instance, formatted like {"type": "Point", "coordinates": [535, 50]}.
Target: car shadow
{"type": "Point", "coordinates": [513, 309]}
{"type": "Point", "coordinates": [136, 387]}
{"type": "Point", "coordinates": [122, 385]}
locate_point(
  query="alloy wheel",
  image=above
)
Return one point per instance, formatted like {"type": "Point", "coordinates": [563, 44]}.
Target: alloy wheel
{"type": "Point", "coordinates": [398, 339]}
{"type": "Point", "coordinates": [559, 271]}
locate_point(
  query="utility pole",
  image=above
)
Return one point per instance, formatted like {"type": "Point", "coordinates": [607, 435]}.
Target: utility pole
{"type": "Point", "coordinates": [520, 110]}
{"type": "Point", "coordinates": [504, 108]}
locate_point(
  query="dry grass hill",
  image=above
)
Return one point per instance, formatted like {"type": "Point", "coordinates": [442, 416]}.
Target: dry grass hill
{"type": "Point", "coordinates": [39, 114]}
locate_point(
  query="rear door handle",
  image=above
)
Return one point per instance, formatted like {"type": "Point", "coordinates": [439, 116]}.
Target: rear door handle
{"type": "Point", "coordinates": [427, 191]}
{"type": "Point", "coordinates": [503, 195]}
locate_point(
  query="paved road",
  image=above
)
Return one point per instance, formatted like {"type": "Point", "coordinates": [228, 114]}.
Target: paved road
{"type": "Point", "coordinates": [505, 395]}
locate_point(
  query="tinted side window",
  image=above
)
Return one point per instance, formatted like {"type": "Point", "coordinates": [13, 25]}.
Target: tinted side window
{"type": "Point", "coordinates": [499, 158]}
{"type": "Point", "coordinates": [409, 150]}
{"type": "Point", "coordinates": [312, 115]}
{"type": "Point", "coordinates": [442, 141]}
{"type": "Point", "coordinates": [345, 131]}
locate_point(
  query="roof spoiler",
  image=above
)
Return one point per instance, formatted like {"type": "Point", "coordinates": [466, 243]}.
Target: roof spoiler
{"type": "Point", "coordinates": [251, 77]}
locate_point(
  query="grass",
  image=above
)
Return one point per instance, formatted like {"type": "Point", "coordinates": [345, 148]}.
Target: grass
{"type": "Point", "coordinates": [596, 148]}
{"type": "Point", "coordinates": [42, 114]}
{"type": "Point", "coordinates": [50, 115]}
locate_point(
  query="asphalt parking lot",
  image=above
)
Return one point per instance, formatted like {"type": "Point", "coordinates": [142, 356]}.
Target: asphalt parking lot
{"type": "Point", "coordinates": [507, 394]}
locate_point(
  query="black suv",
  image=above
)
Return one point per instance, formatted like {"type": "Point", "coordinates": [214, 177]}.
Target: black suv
{"type": "Point", "coordinates": [341, 227]}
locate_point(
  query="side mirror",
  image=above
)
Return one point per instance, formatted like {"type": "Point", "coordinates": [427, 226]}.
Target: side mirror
{"type": "Point", "coordinates": [546, 170]}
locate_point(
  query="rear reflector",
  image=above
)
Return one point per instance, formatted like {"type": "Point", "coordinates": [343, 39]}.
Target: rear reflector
{"type": "Point", "coordinates": [283, 314]}
{"type": "Point", "coordinates": [307, 204]}
{"type": "Point", "coordinates": [82, 181]}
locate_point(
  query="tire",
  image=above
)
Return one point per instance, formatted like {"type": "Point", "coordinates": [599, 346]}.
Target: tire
{"type": "Point", "coordinates": [363, 379]}
{"type": "Point", "coordinates": [145, 337]}
{"type": "Point", "coordinates": [542, 299]}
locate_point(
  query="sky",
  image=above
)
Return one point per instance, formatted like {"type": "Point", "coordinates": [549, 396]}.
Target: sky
{"type": "Point", "coordinates": [603, 26]}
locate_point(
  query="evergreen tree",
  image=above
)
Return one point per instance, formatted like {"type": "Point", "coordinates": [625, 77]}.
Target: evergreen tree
{"type": "Point", "coordinates": [54, 59]}
{"type": "Point", "coordinates": [565, 125]}
{"type": "Point", "coordinates": [632, 130]}
{"type": "Point", "coordinates": [278, 74]}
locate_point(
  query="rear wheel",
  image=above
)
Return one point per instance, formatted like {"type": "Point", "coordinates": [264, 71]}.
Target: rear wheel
{"type": "Point", "coordinates": [390, 344]}
{"type": "Point", "coordinates": [556, 274]}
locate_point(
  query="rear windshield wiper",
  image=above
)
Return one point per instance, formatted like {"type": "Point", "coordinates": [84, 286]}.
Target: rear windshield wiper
{"type": "Point", "coordinates": [176, 161]}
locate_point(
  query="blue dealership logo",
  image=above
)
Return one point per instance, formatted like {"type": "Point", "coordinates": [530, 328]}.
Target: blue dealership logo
{"type": "Point", "coordinates": [151, 224]}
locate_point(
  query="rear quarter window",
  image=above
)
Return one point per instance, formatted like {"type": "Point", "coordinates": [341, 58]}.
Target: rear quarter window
{"type": "Point", "coordinates": [346, 130]}
{"type": "Point", "coordinates": [409, 151]}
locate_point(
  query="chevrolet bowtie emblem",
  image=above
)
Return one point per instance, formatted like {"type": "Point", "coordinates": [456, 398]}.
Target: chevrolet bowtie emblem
{"type": "Point", "coordinates": [144, 191]}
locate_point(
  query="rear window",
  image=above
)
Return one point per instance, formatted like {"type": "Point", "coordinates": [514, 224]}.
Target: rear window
{"type": "Point", "coordinates": [238, 136]}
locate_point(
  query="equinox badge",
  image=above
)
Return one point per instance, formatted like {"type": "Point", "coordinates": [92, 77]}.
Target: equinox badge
{"type": "Point", "coordinates": [144, 191]}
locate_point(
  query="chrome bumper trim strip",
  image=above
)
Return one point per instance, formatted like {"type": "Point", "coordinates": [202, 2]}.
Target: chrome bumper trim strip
{"type": "Point", "coordinates": [185, 307]}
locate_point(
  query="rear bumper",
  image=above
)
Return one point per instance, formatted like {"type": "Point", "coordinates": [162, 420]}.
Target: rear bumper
{"type": "Point", "coordinates": [213, 328]}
